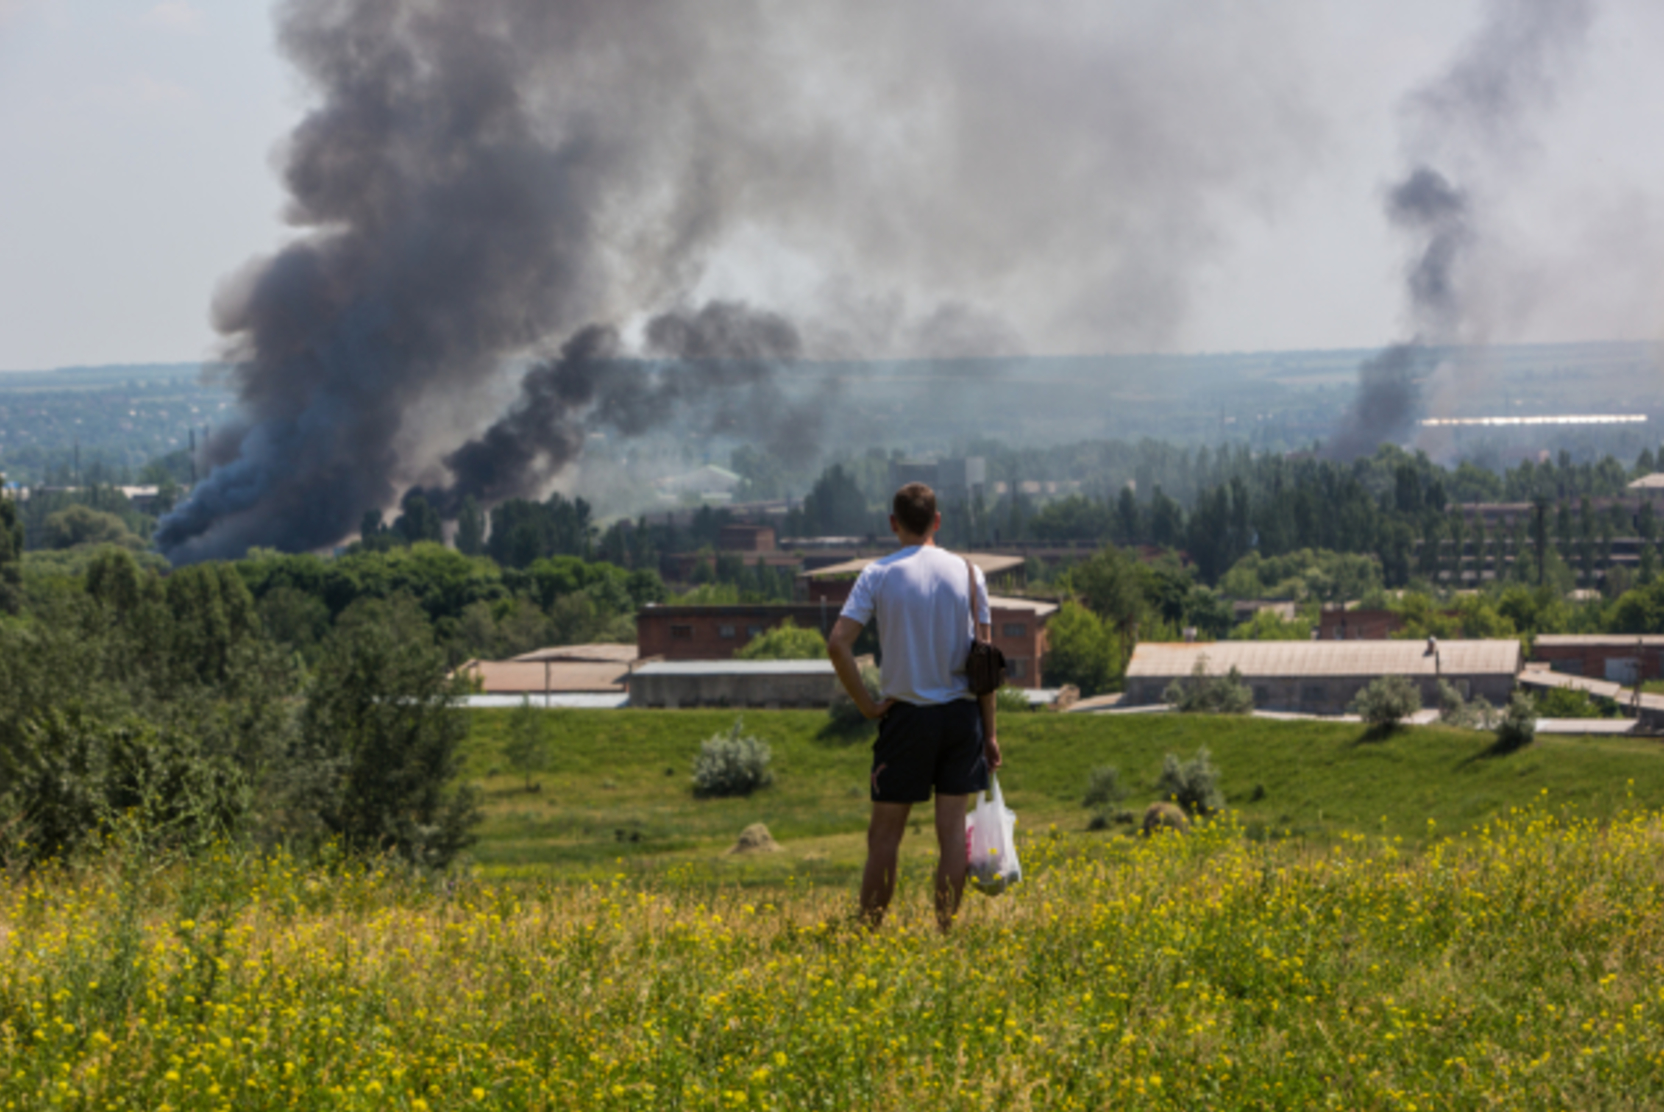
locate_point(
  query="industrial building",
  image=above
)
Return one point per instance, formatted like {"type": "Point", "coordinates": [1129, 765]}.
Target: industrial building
{"type": "Point", "coordinates": [770, 684]}
{"type": "Point", "coordinates": [1620, 658]}
{"type": "Point", "coordinates": [554, 674]}
{"type": "Point", "coordinates": [1324, 677]}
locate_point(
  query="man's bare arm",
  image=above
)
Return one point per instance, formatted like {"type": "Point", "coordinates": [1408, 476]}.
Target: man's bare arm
{"type": "Point", "coordinates": [840, 647]}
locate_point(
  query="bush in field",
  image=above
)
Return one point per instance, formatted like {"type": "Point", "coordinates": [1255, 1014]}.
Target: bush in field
{"type": "Point", "coordinates": [1192, 784]}
{"type": "Point", "coordinates": [1386, 702]}
{"type": "Point", "coordinates": [1518, 727]}
{"type": "Point", "coordinates": [1104, 787]}
{"type": "Point", "coordinates": [1205, 694]}
{"type": "Point", "coordinates": [734, 763]}
{"type": "Point", "coordinates": [845, 717]}
{"type": "Point", "coordinates": [1474, 714]}
{"type": "Point", "coordinates": [1104, 790]}
{"type": "Point", "coordinates": [1571, 702]}
{"type": "Point", "coordinates": [1011, 700]}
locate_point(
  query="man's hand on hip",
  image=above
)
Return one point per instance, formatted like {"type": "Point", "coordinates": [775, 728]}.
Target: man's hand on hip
{"type": "Point", "coordinates": [878, 710]}
{"type": "Point", "coordinates": [991, 752]}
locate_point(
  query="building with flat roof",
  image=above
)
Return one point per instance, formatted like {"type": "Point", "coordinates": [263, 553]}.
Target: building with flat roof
{"type": "Point", "coordinates": [1323, 677]}
{"type": "Point", "coordinates": [1617, 657]}
{"type": "Point", "coordinates": [771, 684]}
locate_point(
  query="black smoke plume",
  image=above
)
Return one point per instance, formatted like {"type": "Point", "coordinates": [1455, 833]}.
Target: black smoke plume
{"type": "Point", "coordinates": [1474, 116]}
{"type": "Point", "coordinates": [476, 179]}
{"type": "Point", "coordinates": [714, 370]}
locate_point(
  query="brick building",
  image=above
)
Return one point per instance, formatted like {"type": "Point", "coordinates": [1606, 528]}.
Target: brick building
{"type": "Point", "coordinates": [718, 632]}
{"type": "Point", "coordinates": [1619, 658]}
{"type": "Point", "coordinates": [1358, 625]}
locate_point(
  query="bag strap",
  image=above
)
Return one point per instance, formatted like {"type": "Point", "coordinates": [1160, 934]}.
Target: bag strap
{"type": "Point", "coordinates": [976, 626]}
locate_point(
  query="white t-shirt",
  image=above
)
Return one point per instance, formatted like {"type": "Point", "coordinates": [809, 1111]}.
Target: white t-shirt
{"type": "Point", "coordinates": [921, 597]}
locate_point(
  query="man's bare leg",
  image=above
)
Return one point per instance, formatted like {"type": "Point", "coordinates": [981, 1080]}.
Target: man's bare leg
{"type": "Point", "coordinates": [878, 882]}
{"type": "Point", "coordinates": [950, 864]}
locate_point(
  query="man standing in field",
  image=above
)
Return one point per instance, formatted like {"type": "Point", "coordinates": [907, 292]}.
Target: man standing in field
{"type": "Point", "coordinates": [932, 732]}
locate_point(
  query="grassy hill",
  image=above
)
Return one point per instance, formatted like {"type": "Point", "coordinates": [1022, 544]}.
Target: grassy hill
{"type": "Point", "coordinates": [618, 792]}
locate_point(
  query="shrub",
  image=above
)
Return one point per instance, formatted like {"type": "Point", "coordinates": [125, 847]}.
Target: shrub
{"type": "Point", "coordinates": [1205, 694]}
{"type": "Point", "coordinates": [785, 641]}
{"type": "Point", "coordinates": [845, 716]}
{"type": "Point", "coordinates": [1012, 700]}
{"type": "Point", "coordinates": [1192, 784]}
{"type": "Point", "coordinates": [1387, 701]}
{"type": "Point", "coordinates": [1475, 714]}
{"type": "Point", "coordinates": [1570, 702]}
{"type": "Point", "coordinates": [1518, 727]}
{"type": "Point", "coordinates": [1104, 787]}
{"type": "Point", "coordinates": [734, 763]}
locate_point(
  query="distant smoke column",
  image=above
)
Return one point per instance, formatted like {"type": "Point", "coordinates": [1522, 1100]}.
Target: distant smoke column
{"type": "Point", "coordinates": [715, 369]}
{"type": "Point", "coordinates": [1474, 115]}
{"type": "Point", "coordinates": [447, 231]}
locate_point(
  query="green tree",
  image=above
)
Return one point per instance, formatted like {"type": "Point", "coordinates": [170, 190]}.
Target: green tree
{"type": "Point", "coordinates": [77, 525]}
{"type": "Point", "coordinates": [1081, 650]}
{"type": "Point", "coordinates": [11, 557]}
{"type": "Point", "coordinates": [527, 748]}
{"type": "Point", "coordinates": [382, 725]}
{"type": "Point", "coordinates": [786, 641]}
{"type": "Point", "coordinates": [470, 528]}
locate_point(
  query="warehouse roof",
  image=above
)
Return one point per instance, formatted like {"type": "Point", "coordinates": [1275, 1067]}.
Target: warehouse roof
{"type": "Point", "coordinates": [592, 654]}
{"type": "Point", "coordinates": [513, 677]}
{"type": "Point", "coordinates": [735, 668]}
{"type": "Point", "coordinates": [1573, 640]}
{"type": "Point", "coordinates": [1327, 658]}
{"type": "Point", "coordinates": [988, 562]}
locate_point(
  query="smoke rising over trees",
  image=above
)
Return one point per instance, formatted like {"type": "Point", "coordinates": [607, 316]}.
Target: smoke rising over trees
{"type": "Point", "coordinates": [475, 182]}
{"type": "Point", "coordinates": [1474, 121]}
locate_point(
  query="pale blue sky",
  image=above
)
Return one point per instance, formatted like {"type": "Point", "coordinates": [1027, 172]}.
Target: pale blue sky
{"type": "Point", "coordinates": [137, 139]}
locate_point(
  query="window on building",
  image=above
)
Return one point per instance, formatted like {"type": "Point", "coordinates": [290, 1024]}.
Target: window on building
{"type": "Point", "coordinates": [753, 631]}
{"type": "Point", "coordinates": [681, 633]}
{"type": "Point", "coordinates": [1262, 695]}
{"type": "Point", "coordinates": [725, 631]}
{"type": "Point", "coordinates": [1016, 667]}
{"type": "Point", "coordinates": [1014, 629]}
{"type": "Point", "coordinates": [1314, 693]}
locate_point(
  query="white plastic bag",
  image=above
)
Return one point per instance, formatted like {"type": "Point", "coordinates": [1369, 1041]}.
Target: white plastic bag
{"type": "Point", "coordinates": [991, 842]}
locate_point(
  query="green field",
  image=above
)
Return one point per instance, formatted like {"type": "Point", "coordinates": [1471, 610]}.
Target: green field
{"type": "Point", "coordinates": [1319, 946]}
{"type": "Point", "coordinates": [619, 790]}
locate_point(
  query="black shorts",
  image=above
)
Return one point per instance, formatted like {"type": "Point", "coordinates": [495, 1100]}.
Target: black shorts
{"type": "Point", "coordinates": [934, 746]}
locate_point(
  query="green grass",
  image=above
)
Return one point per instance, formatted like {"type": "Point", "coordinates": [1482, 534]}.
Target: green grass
{"type": "Point", "coordinates": [619, 790]}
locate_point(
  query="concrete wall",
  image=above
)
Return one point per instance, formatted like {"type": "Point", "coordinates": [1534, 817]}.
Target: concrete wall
{"type": "Point", "coordinates": [768, 691]}
{"type": "Point", "coordinates": [1327, 694]}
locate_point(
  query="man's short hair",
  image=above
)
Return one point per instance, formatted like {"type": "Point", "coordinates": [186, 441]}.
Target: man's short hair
{"type": "Point", "coordinates": [915, 508]}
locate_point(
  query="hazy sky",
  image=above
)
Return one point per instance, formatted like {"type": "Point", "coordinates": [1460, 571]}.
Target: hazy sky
{"type": "Point", "coordinates": [137, 144]}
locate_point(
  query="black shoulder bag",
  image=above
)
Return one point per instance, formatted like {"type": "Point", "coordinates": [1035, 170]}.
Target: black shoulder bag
{"type": "Point", "coordinates": [985, 666]}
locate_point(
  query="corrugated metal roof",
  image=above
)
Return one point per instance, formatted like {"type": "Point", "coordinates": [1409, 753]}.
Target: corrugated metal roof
{"type": "Point", "coordinates": [988, 562]}
{"type": "Point", "coordinates": [507, 677]}
{"type": "Point", "coordinates": [592, 654]}
{"type": "Point", "coordinates": [1271, 659]}
{"type": "Point", "coordinates": [736, 668]}
{"type": "Point", "coordinates": [1603, 640]}
{"type": "Point", "coordinates": [1039, 607]}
